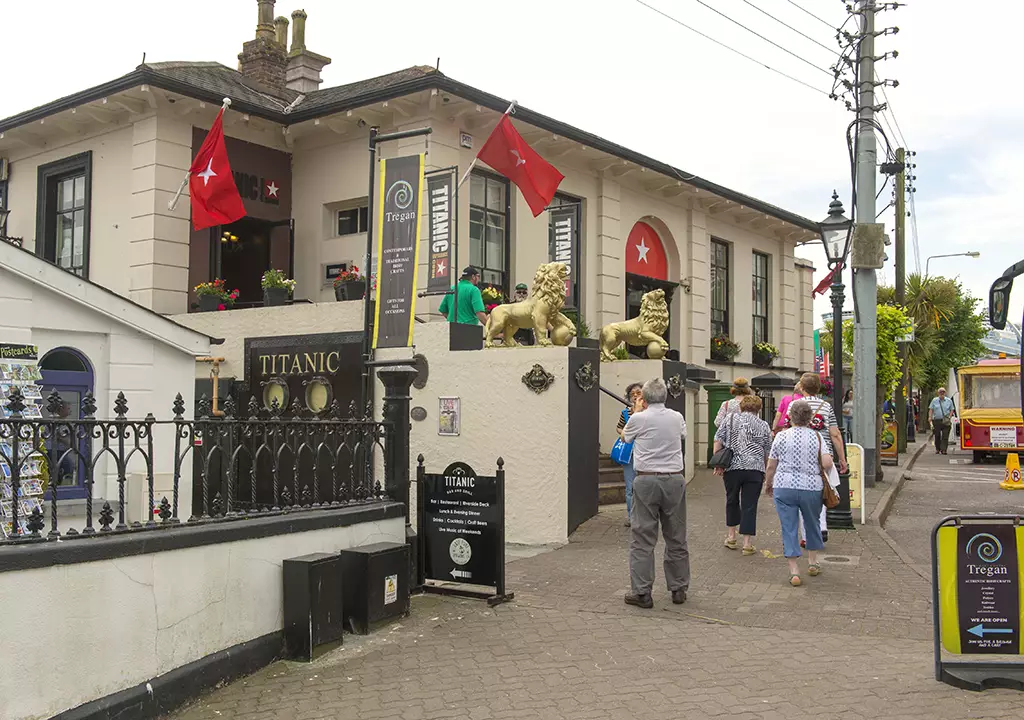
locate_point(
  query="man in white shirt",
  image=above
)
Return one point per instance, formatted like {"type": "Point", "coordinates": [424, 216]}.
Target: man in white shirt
{"type": "Point", "coordinates": [659, 493]}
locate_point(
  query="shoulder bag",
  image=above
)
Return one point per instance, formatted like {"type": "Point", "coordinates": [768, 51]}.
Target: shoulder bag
{"type": "Point", "coordinates": [723, 458]}
{"type": "Point", "coordinates": [829, 496]}
{"type": "Point", "coordinates": [622, 451]}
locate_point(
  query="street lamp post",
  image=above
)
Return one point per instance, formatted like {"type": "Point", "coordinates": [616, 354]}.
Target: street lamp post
{"type": "Point", "coordinates": [971, 254]}
{"type": "Point", "coordinates": [835, 235]}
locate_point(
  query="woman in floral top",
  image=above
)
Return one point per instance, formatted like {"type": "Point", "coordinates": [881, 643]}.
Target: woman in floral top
{"type": "Point", "coordinates": [750, 439]}
{"type": "Point", "coordinates": [797, 460]}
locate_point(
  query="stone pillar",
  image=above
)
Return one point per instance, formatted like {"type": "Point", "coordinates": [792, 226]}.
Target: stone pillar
{"type": "Point", "coordinates": [611, 282]}
{"type": "Point", "coordinates": [159, 238]}
{"type": "Point", "coordinates": [789, 308]}
{"type": "Point", "coordinates": [265, 19]}
{"type": "Point", "coordinates": [397, 382]}
{"type": "Point", "coordinates": [698, 329]}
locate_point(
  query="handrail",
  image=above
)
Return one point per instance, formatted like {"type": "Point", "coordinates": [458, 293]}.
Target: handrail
{"type": "Point", "coordinates": [609, 393]}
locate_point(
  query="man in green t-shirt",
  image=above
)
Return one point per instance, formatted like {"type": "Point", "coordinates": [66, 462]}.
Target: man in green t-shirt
{"type": "Point", "coordinates": [471, 304]}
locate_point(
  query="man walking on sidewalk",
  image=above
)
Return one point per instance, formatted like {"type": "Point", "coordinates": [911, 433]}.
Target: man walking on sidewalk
{"type": "Point", "coordinates": [659, 494]}
{"type": "Point", "coordinates": [940, 414]}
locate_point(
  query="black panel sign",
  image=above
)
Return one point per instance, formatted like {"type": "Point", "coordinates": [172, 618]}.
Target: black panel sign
{"type": "Point", "coordinates": [564, 221]}
{"type": "Point", "coordinates": [461, 526]}
{"type": "Point", "coordinates": [440, 191]}
{"type": "Point", "coordinates": [988, 589]}
{"type": "Point", "coordinates": [10, 351]}
{"type": "Point", "coordinates": [398, 235]}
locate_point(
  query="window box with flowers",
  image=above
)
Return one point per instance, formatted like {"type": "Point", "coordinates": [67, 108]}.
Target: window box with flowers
{"type": "Point", "coordinates": [724, 349]}
{"type": "Point", "coordinates": [764, 354]}
{"type": "Point", "coordinates": [350, 285]}
{"type": "Point", "coordinates": [492, 297]}
{"type": "Point", "coordinates": [215, 296]}
{"type": "Point", "coordinates": [277, 287]}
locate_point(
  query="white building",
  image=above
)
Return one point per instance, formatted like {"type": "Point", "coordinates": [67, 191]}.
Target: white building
{"type": "Point", "coordinates": [91, 174]}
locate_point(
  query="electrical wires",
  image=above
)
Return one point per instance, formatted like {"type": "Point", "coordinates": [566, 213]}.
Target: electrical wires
{"type": "Point", "coordinates": [800, 7]}
{"type": "Point", "coordinates": [782, 22]}
{"type": "Point", "coordinates": [737, 52]}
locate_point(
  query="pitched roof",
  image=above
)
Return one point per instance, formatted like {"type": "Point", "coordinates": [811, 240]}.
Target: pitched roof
{"type": "Point", "coordinates": [211, 81]}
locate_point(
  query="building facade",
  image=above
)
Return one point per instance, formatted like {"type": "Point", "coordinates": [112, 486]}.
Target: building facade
{"type": "Point", "coordinates": [90, 177]}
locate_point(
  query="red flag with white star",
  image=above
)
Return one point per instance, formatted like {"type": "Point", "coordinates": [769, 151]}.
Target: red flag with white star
{"type": "Point", "coordinates": [211, 184]}
{"type": "Point", "coordinates": [508, 153]}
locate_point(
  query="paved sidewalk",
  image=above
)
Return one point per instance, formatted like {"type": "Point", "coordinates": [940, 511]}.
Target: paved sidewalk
{"type": "Point", "coordinates": [852, 643]}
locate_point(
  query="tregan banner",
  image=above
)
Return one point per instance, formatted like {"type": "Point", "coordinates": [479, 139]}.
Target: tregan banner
{"type": "Point", "coordinates": [440, 206]}
{"type": "Point", "coordinates": [398, 233]}
{"type": "Point", "coordinates": [563, 245]}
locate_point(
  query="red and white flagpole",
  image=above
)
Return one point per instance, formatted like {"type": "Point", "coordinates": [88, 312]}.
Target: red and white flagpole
{"type": "Point", "coordinates": [511, 110]}
{"type": "Point", "coordinates": [173, 203]}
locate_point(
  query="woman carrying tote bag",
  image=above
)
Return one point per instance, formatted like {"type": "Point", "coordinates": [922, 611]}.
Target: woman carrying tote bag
{"type": "Point", "coordinates": [622, 451]}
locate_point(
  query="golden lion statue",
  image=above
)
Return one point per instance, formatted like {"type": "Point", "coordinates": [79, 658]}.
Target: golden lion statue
{"type": "Point", "coordinates": [643, 330]}
{"type": "Point", "coordinates": [537, 312]}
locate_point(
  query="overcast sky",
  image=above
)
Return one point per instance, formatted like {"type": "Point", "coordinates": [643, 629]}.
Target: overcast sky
{"type": "Point", "coordinates": [620, 70]}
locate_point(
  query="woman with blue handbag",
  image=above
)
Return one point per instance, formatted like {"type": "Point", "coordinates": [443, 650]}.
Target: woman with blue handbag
{"type": "Point", "coordinates": [622, 451]}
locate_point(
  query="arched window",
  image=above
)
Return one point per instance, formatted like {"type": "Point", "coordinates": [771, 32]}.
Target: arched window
{"type": "Point", "coordinates": [69, 372]}
{"type": "Point", "coordinates": [646, 270]}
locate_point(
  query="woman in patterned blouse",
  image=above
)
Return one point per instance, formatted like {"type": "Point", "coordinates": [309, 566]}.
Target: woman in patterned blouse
{"type": "Point", "coordinates": [750, 439]}
{"type": "Point", "coordinates": [797, 460]}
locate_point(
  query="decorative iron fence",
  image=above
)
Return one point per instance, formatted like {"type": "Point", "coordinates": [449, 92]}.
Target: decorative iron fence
{"type": "Point", "coordinates": [243, 466]}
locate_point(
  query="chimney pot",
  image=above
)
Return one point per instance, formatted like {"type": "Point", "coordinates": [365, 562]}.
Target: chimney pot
{"type": "Point", "coordinates": [299, 30]}
{"type": "Point", "coordinates": [281, 30]}
{"type": "Point", "coordinates": [265, 19]}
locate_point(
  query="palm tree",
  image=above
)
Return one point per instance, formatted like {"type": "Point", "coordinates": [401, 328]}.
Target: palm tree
{"type": "Point", "coordinates": [930, 301]}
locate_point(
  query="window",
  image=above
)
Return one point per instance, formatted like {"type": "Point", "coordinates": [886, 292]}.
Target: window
{"type": "Point", "coordinates": [760, 282]}
{"type": "Point", "coordinates": [354, 220]}
{"type": "Point", "coordinates": [488, 228]}
{"type": "Point", "coordinates": [719, 289]}
{"type": "Point", "coordinates": [569, 255]}
{"type": "Point", "coordinates": [62, 222]}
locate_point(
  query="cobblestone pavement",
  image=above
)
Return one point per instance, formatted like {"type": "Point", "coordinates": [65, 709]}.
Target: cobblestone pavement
{"type": "Point", "coordinates": [852, 643]}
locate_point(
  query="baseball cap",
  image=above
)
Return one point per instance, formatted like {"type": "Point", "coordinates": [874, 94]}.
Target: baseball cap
{"type": "Point", "coordinates": [470, 271]}
{"type": "Point", "coordinates": [522, 286]}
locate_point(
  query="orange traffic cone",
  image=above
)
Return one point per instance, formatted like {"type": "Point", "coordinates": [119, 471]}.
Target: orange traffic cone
{"type": "Point", "coordinates": [1011, 478]}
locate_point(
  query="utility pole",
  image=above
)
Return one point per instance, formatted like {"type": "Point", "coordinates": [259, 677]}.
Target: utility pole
{"type": "Point", "coordinates": [865, 284]}
{"type": "Point", "coordinates": [902, 395]}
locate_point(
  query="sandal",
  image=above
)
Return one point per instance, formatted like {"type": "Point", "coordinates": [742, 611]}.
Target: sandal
{"type": "Point", "coordinates": [794, 580]}
{"type": "Point", "coordinates": [731, 544]}
{"type": "Point", "coordinates": [813, 570]}
{"type": "Point", "coordinates": [749, 550]}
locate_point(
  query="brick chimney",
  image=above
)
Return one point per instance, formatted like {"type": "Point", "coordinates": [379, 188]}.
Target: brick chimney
{"type": "Point", "coordinates": [264, 58]}
{"type": "Point", "coordinates": [304, 66]}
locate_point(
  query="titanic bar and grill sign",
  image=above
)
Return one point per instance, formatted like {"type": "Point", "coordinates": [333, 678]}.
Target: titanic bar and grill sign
{"type": "Point", "coordinates": [564, 220]}
{"type": "Point", "coordinates": [460, 521]}
{"type": "Point", "coordinates": [440, 194]}
{"type": "Point", "coordinates": [398, 233]}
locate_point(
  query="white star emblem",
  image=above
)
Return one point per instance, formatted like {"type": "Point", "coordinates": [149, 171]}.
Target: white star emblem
{"type": "Point", "coordinates": [642, 249]}
{"type": "Point", "coordinates": [440, 268]}
{"type": "Point", "coordinates": [272, 189]}
{"type": "Point", "coordinates": [519, 159]}
{"type": "Point", "coordinates": [208, 173]}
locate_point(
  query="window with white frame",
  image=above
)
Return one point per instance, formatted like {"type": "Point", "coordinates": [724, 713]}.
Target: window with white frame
{"type": "Point", "coordinates": [760, 298]}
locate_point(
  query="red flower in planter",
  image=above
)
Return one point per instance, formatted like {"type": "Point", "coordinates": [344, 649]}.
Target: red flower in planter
{"type": "Point", "coordinates": [222, 307]}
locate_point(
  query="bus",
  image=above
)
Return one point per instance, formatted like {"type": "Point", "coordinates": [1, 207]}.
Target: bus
{"type": "Point", "coordinates": [989, 409]}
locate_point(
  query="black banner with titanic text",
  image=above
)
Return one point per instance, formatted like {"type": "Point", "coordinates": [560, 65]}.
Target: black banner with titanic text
{"type": "Point", "coordinates": [565, 229]}
{"type": "Point", "coordinates": [441, 211]}
{"type": "Point", "coordinates": [398, 233]}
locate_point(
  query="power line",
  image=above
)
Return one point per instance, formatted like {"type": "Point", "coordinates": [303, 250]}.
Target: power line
{"type": "Point", "coordinates": [913, 229]}
{"type": "Point", "coordinates": [800, 7]}
{"type": "Point", "coordinates": [892, 112]}
{"type": "Point", "coordinates": [798, 32]}
{"type": "Point", "coordinates": [734, 50]}
{"type": "Point", "coordinates": [771, 42]}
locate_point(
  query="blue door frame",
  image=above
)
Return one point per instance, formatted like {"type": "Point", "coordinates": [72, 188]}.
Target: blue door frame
{"type": "Point", "coordinates": [72, 385]}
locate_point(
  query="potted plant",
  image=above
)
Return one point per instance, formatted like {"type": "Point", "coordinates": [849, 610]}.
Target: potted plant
{"type": "Point", "coordinates": [492, 297]}
{"type": "Point", "coordinates": [764, 354]}
{"type": "Point", "coordinates": [214, 295]}
{"type": "Point", "coordinates": [723, 349]}
{"type": "Point", "coordinates": [350, 285]}
{"type": "Point", "coordinates": [276, 287]}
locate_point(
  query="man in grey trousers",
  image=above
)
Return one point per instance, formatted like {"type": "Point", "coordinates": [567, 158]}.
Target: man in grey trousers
{"type": "Point", "coordinates": [659, 493]}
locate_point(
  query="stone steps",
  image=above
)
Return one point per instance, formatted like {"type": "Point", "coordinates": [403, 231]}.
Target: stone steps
{"type": "Point", "coordinates": [611, 486]}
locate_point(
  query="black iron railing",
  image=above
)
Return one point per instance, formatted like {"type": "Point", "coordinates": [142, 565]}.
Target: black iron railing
{"type": "Point", "coordinates": [257, 463]}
